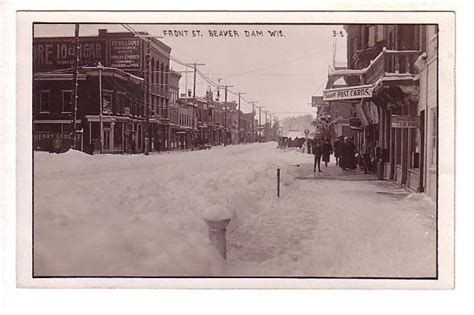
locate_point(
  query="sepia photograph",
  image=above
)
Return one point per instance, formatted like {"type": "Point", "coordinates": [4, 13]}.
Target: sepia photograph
{"type": "Point", "coordinates": [237, 150]}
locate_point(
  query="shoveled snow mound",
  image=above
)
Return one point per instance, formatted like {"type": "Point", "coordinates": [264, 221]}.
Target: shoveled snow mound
{"type": "Point", "coordinates": [130, 215]}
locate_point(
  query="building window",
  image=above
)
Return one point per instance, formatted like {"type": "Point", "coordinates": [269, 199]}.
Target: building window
{"type": "Point", "coordinates": [65, 128]}
{"type": "Point", "coordinates": [433, 137]}
{"type": "Point", "coordinates": [107, 97]}
{"type": "Point", "coordinates": [67, 101]}
{"type": "Point", "coordinates": [44, 101]}
{"type": "Point", "coordinates": [372, 31]}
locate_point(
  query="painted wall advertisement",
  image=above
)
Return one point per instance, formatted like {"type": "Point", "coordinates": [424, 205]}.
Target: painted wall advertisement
{"type": "Point", "coordinates": [59, 53]}
{"type": "Point", "coordinates": [125, 53]}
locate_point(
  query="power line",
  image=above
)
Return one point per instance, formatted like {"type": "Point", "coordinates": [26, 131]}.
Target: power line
{"type": "Point", "coordinates": [159, 49]}
{"type": "Point", "coordinates": [277, 64]}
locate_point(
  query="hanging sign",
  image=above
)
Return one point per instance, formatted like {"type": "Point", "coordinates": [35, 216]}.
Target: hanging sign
{"type": "Point", "coordinates": [349, 93]}
{"type": "Point", "coordinates": [405, 121]}
{"type": "Point", "coordinates": [317, 101]}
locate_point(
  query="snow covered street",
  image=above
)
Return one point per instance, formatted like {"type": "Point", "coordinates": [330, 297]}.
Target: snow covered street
{"type": "Point", "coordinates": [136, 215]}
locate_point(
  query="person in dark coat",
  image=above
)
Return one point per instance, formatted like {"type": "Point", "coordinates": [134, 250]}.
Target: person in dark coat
{"type": "Point", "coordinates": [338, 149]}
{"type": "Point", "coordinates": [317, 151]}
{"type": "Point", "coordinates": [348, 155]}
{"type": "Point", "coordinates": [326, 151]}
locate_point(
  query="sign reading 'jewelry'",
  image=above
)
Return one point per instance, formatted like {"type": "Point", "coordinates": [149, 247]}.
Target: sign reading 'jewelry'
{"type": "Point", "coordinates": [356, 92]}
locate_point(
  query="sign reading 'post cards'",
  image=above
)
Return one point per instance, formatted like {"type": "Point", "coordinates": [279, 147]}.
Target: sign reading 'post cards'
{"type": "Point", "coordinates": [349, 93]}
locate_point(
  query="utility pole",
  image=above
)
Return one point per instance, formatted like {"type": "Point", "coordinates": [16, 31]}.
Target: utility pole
{"type": "Point", "coordinates": [101, 109]}
{"type": "Point", "coordinates": [194, 94]}
{"type": "Point", "coordinates": [259, 120]}
{"type": "Point", "coordinates": [266, 128]}
{"type": "Point", "coordinates": [225, 112]}
{"type": "Point", "coordinates": [75, 74]}
{"type": "Point", "coordinates": [253, 120]}
{"type": "Point", "coordinates": [146, 92]}
{"type": "Point", "coordinates": [238, 121]}
{"type": "Point", "coordinates": [271, 131]}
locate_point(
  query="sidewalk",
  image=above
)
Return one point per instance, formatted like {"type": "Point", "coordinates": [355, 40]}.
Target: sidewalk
{"type": "Point", "coordinates": [338, 224]}
{"type": "Point", "coordinates": [332, 171]}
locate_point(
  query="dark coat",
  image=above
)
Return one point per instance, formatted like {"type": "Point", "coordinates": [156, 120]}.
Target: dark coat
{"type": "Point", "coordinates": [317, 150]}
{"type": "Point", "coordinates": [326, 151]}
{"type": "Point", "coordinates": [348, 155]}
{"type": "Point", "coordinates": [338, 148]}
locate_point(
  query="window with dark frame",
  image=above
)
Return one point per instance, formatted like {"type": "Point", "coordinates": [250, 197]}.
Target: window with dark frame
{"type": "Point", "coordinates": [66, 97]}
{"type": "Point", "coordinates": [44, 101]}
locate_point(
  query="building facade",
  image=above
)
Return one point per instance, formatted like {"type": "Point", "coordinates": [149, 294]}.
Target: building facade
{"type": "Point", "coordinates": [391, 88]}
{"type": "Point", "coordinates": [117, 72]}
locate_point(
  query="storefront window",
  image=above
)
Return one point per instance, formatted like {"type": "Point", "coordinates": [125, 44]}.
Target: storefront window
{"type": "Point", "coordinates": [67, 101]}
{"type": "Point", "coordinates": [44, 101]}
{"type": "Point", "coordinates": [107, 102]}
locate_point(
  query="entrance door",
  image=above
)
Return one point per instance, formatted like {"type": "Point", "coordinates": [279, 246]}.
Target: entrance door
{"type": "Point", "coordinates": [422, 152]}
{"type": "Point", "coordinates": [106, 139]}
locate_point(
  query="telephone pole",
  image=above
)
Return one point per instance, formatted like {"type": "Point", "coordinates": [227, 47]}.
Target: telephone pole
{"type": "Point", "coordinates": [225, 112]}
{"type": "Point", "coordinates": [194, 97]}
{"type": "Point", "coordinates": [266, 128]}
{"type": "Point", "coordinates": [270, 131]}
{"type": "Point", "coordinates": [238, 120]}
{"type": "Point", "coordinates": [259, 120]}
{"type": "Point", "coordinates": [253, 120]}
{"type": "Point", "coordinates": [146, 93]}
{"type": "Point", "coordinates": [75, 74]}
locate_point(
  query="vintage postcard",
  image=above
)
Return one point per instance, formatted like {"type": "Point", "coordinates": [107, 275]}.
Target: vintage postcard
{"type": "Point", "coordinates": [235, 149]}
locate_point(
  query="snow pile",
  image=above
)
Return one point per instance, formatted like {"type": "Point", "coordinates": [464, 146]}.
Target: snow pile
{"type": "Point", "coordinates": [145, 215]}
{"type": "Point", "coordinates": [136, 215]}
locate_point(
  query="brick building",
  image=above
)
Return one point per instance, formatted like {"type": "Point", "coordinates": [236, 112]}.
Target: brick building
{"type": "Point", "coordinates": [111, 72]}
{"type": "Point", "coordinates": [391, 87]}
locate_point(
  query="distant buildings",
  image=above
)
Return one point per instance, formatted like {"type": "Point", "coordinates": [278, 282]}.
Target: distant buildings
{"type": "Point", "coordinates": [390, 99]}
{"type": "Point", "coordinates": [127, 99]}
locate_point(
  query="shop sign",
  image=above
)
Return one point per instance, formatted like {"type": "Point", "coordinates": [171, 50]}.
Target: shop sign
{"type": "Point", "coordinates": [356, 92]}
{"type": "Point", "coordinates": [58, 53]}
{"type": "Point", "coordinates": [317, 101]}
{"type": "Point", "coordinates": [405, 121]}
{"type": "Point", "coordinates": [355, 122]}
{"type": "Point", "coordinates": [50, 135]}
{"type": "Point", "coordinates": [125, 53]}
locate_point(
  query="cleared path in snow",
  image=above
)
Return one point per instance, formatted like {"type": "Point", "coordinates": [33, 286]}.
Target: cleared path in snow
{"type": "Point", "coordinates": [338, 228]}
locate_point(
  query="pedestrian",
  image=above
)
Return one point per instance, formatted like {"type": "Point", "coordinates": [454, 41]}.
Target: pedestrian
{"type": "Point", "coordinates": [338, 149]}
{"type": "Point", "coordinates": [326, 151]}
{"type": "Point", "coordinates": [158, 145]}
{"type": "Point", "coordinates": [347, 155]}
{"type": "Point", "coordinates": [367, 149]}
{"type": "Point", "coordinates": [317, 151]}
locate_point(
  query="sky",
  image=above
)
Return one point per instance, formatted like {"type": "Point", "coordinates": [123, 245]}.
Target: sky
{"type": "Point", "coordinates": [280, 73]}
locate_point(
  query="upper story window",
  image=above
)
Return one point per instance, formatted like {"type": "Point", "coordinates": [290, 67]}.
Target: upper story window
{"type": "Point", "coordinates": [107, 101]}
{"type": "Point", "coordinates": [44, 101]}
{"type": "Point", "coordinates": [372, 34]}
{"type": "Point", "coordinates": [66, 97]}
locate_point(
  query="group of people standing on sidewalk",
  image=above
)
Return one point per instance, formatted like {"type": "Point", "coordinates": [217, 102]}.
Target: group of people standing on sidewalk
{"type": "Point", "coordinates": [344, 152]}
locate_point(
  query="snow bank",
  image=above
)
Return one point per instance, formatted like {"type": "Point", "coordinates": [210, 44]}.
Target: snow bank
{"type": "Point", "coordinates": [144, 215]}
